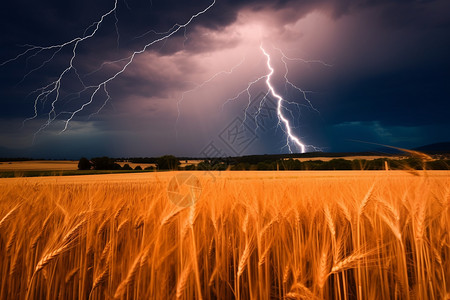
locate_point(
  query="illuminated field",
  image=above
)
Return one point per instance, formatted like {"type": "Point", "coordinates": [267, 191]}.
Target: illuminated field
{"type": "Point", "coordinates": [39, 165]}
{"type": "Point", "coordinates": [250, 235]}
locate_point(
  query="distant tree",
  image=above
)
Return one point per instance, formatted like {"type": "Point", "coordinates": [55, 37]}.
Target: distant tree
{"type": "Point", "coordinates": [263, 166]}
{"type": "Point", "coordinates": [104, 163]}
{"type": "Point", "coordinates": [138, 168]}
{"type": "Point", "coordinates": [167, 162]}
{"type": "Point", "coordinates": [84, 164]}
{"type": "Point", "coordinates": [221, 167]}
{"type": "Point", "coordinates": [339, 164]}
{"type": "Point", "coordinates": [242, 166]}
{"type": "Point", "coordinates": [291, 164]}
{"type": "Point", "coordinates": [413, 163]}
{"type": "Point", "coordinates": [204, 165]}
{"type": "Point", "coordinates": [440, 164]}
{"type": "Point", "coordinates": [127, 167]}
{"type": "Point", "coordinates": [189, 167]}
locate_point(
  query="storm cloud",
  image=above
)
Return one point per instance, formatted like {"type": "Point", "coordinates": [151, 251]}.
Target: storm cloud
{"type": "Point", "coordinates": [387, 83]}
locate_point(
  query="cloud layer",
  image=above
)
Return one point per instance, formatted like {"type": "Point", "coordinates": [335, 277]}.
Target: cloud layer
{"type": "Point", "coordinates": [388, 80]}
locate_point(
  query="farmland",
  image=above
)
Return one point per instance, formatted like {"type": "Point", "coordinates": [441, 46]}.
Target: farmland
{"type": "Point", "coordinates": [243, 235]}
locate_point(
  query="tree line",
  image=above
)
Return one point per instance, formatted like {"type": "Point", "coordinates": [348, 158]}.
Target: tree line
{"type": "Point", "coordinates": [170, 162]}
{"type": "Point", "coordinates": [166, 162]}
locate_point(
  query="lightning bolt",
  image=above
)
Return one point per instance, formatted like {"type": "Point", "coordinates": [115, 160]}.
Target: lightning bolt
{"type": "Point", "coordinates": [52, 91]}
{"type": "Point", "coordinates": [283, 121]}
{"type": "Point", "coordinates": [288, 130]}
{"type": "Point", "coordinates": [304, 93]}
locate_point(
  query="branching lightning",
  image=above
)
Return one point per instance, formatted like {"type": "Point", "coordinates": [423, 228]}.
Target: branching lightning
{"type": "Point", "coordinates": [290, 135]}
{"type": "Point", "coordinates": [283, 121]}
{"type": "Point", "coordinates": [289, 83]}
{"type": "Point", "coordinates": [54, 88]}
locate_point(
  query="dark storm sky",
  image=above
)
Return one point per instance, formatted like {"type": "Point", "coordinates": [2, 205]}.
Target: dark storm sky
{"type": "Point", "coordinates": [388, 82]}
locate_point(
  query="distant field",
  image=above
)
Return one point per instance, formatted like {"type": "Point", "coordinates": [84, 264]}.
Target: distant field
{"type": "Point", "coordinates": [39, 165]}
{"type": "Point", "coordinates": [62, 168]}
{"type": "Point", "coordinates": [248, 235]}
{"type": "Point", "coordinates": [54, 165]}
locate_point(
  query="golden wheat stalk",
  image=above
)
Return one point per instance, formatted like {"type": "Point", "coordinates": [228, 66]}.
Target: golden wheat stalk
{"type": "Point", "coordinates": [352, 260]}
{"type": "Point", "coordinates": [67, 242]}
{"type": "Point", "coordinates": [244, 258]}
{"type": "Point", "coordinates": [193, 213]}
{"type": "Point", "coordinates": [419, 219]}
{"type": "Point", "coordinates": [12, 239]}
{"type": "Point", "coordinates": [71, 274]}
{"type": "Point", "coordinates": [182, 282]}
{"type": "Point", "coordinates": [169, 218]}
{"type": "Point", "coordinates": [101, 278]}
{"type": "Point", "coordinates": [329, 220]}
{"type": "Point", "coordinates": [322, 273]}
{"type": "Point", "coordinates": [119, 211]}
{"type": "Point", "coordinates": [42, 230]}
{"type": "Point", "coordinates": [103, 226]}
{"type": "Point", "coordinates": [131, 276]}
{"type": "Point", "coordinates": [9, 215]}
{"type": "Point", "coordinates": [300, 291]}
{"type": "Point", "coordinates": [394, 226]}
{"type": "Point", "coordinates": [16, 260]}
{"type": "Point", "coordinates": [123, 225]}
{"type": "Point", "coordinates": [268, 227]}
{"type": "Point", "coordinates": [106, 252]}
{"type": "Point", "coordinates": [286, 273]}
{"type": "Point", "coordinates": [365, 200]}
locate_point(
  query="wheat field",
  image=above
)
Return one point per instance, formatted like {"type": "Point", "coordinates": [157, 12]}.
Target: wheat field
{"type": "Point", "coordinates": [249, 235]}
